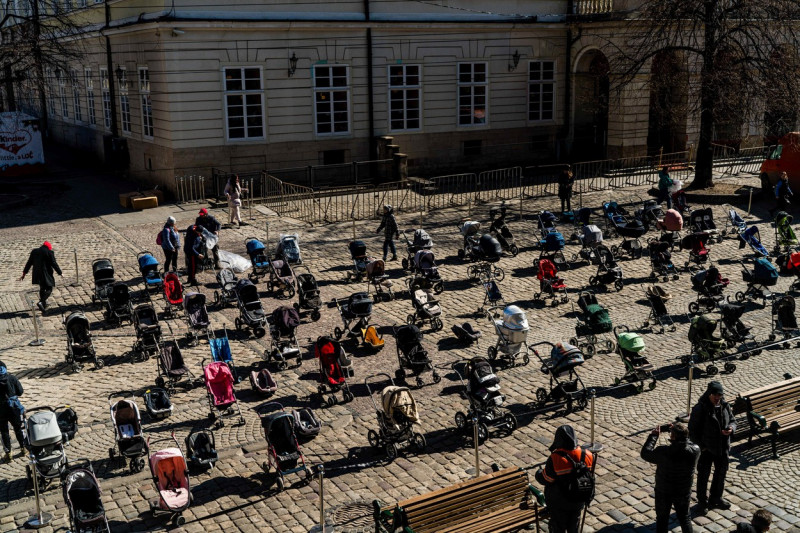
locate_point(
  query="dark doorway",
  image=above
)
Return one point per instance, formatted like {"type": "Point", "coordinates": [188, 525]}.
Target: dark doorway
{"type": "Point", "coordinates": [591, 107]}
{"type": "Point", "coordinates": [669, 83]}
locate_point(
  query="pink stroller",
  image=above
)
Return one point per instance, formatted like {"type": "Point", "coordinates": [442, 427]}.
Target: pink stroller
{"type": "Point", "coordinates": [219, 389]}
{"type": "Point", "coordinates": [171, 477]}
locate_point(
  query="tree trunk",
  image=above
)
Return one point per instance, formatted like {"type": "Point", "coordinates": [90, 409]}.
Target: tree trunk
{"type": "Point", "coordinates": [704, 166]}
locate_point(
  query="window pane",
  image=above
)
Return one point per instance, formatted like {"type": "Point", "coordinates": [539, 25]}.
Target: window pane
{"type": "Point", "coordinates": [412, 75]}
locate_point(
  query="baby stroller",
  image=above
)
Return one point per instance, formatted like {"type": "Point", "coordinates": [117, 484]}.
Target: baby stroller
{"type": "Point", "coordinates": [697, 244]}
{"type": "Point", "coordinates": [306, 424]}
{"type": "Point", "coordinates": [706, 345]}
{"type": "Point", "coordinates": [709, 285]}
{"type": "Point", "coordinates": [282, 326]}
{"type": "Point", "coordinates": [488, 254]}
{"type": "Point", "coordinates": [500, 230]}
{"type": "Point", "coordinates": [650, 212]}
{"type": "Point", "coordinates": [379, 279]}
{"type": "Point", "coordinates": [288, 249]}
{"type": "Point", "coordinates": [784, 321]}
{"type": "Point", "coordinates": [171, 477]}
{"type": "Point", "coordinates": [283, 451]}
{"type": "Point", "coordinates": [227, 280]}
{"type": "Point", "coordinates": [657, 298]}
{"type": "Point", "coordinates": [763, 275]}
{"type": "Point", "coordinates": [482, 388]}
{"type": "Point", "coordinates": [670, 226]}
{"type": "Point", "coordinates": [608, 271]}
{"type": "Point", "coordinates": [281, 278]}
{"type": "Point", "coordinates": [615, 216]}
{"type": "Point", "coordinates": [149, 269]}
{"type": "Point", "coordinates": [358, 253]}
{"type": "Point", "coordinates": [752, 237]}
{"type": "Point", "coordinates": [356, 311]}
{"type": "Point", "coordinates": [173, 294]}
{"type": "Point", "coordinates": [262, 382]}
{"type": "Point", "coordinates": [411, 356]}
{"type": "Point", "coordinates": [594, 321]}
{"type": "Point", "coordinates": [492, 294]}
{"type": "Point", "coordinates": [420, 241]}
{"type": "Point", "coordinates": [221, 397]}
{"type": "Point", "coordinates": [512, 335]}
{"type": "Point", "coordinates": [590, 239]}
{"type": "Point", "coordinates": [425, 273]}
{"type": "Point", "coordinates": [83, 498]}
{"type": "Point", "coordinates": [308, 293]}
{"type": "Point", "coordinates": [630, 231]}
{"type": "Point", "coordinates": [80, 348]}
{"type": "Point", "coordinates": [735, 225]}
{"type": "Point", "coordinates": [426, 307]}
{"type": "Point", "coordinates": [679, 200]}
{"type": "Point", "coordinates": [702, 221]}
{"type": "Point", "coordinates": [551, 241]}
{"type": "Point", "coordinates": [148, 331]}
{"type": "Point", "coordinates": [637, 368]}
{"type": "Point", "coordinates": [201, 448]}
{"type": "Point", "coordinates": [565, 383]}
{"type": "Point", "coordinates": [733, 329]}
{"type": "Point", "coordinates": [118, 304]}
{"type": "Point", "coordinates": [103, 274]}
{"type": "Point", "coordinates": [551, 285]}
{"type": "Point", "coordinates": [221, 353]}
{"type": "Point", "coordinates": [258, 259]}
{"type": "Point", "coordinates": [397, 414]}
{"type": "Point", "coordinates": [785, 237]}
{"type": "Point", "coordinates": [251, 313]}
{"type": "Point", "coordinates": [128, 433]}
{"type": "Point", "coordinates": [196, 317]}
{"type": "Point", "coordinates": [470, 230]}
{"type": "Point", "coordinates": [157, 403]}
{"type": "Point", "coordinates": [46, 445]}
{"type": "Point", "coordinates": [661, 264]}
{"type": "Point", "coordinates": [334, 368]}
{"type": "Point", "coordinates": [171, 367]}
{"type": "Point", "coordinates": [466, 333]}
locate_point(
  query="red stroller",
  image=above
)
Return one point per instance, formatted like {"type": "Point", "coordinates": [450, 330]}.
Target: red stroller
{"type": "Point", "coordinates": [173, 294]}
{"type": "Point", "coordinates": [171, 477]}
{"type": "Point", "coordinates": [334, 368]}
{"type": "Point", "coordinates": [219, 388]}
{"type": "Point", "coordinates": [550, 284]}
{"type": "Point", "coordinates": [697, 244]}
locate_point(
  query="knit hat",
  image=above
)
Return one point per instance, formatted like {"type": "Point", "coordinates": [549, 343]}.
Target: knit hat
{"type": "Point", "coordinates": [170, 220]}
{"type": "Point", "coordinates": [3, 369]}
{"type": "Point", "coordinates": [204, 211]}
{"type": "Point", "coordinates": [715, 387]}
{"type": "Point", "coordinates": [47, 245]}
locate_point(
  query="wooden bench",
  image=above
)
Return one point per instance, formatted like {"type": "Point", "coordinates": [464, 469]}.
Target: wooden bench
{"type": "Point", "coordinates": [774, 408]}
{"type": "Point", "coordinates": [494, 503]}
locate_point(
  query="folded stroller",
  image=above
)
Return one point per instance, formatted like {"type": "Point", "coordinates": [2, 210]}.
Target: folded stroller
{"type": "Point", "coordinates": [171, 477]}
{"type": "Point", "coordinates": [171, 366]}
{"type": "Point", "coordinates": [103, 274]}
{"type": "Point", "coordinates": [707, 347]}
{"type": "Point", "coordinates": [733, 330]}
{"type": "Point", "coordinates": [308, 297]}
{"type": "Point", "coordinates": [80, 348]}
{"type": "Point", "coordinates": [358, 254]}
{"type": "Point", "coordinates": [258, 259]}
{"type": "Point", "coordinates": [470, 250]}
{"type": "Point", "coordinates": [752, 238]}
{"type": "Point", "coordinates": [173, 294]}
{"type": "Point", "coordinates": [657, 298]}
{"type": "Point", "coordinates": [379, 279]}
{"type": "Point", "coordinates": [149, 269]}
{"type": "Point", "coordinates": [492, 294]}
{"type": "Point", "coordinates": [127, 423]}
{"type": "Point", "coordinates": [356, 311]}
{"type": "Point", "coordinates": [466, 332]}
{"type": "Point", "coordinates": [157, 403]}
{"type": "Point", "coordinates": [426, 307]}
{"type": "Point", "coordinates": [785, 237]}
{"type": "Point", "coordinates": [334, 367]}
{"type": "Point", "coordinates": [221, 353]}
{"type": "Point", "coordinates": [425, 273]}
{"type": "Point", "coordinates": [83, 498]}
{"type": "Point", "coordinates": [67, 420]}
{"type": "Point", "coordinates": [630, 348]}
{"type": "Point", "coordinates": [148, 331]}
{"type": "Point", "coordinates": [262, 382]}
{"type": "Point", "coordinates": [735, 225]}
{"type": "Point", "coordinates": [227, 280]}
{"type": "Point", "coordinates": [281, 278]}
{"type": "Point", "coordinates": [283, 450]}
{"type": "Point", "coordinates": [697, 244]}
{"type": "Point", "coordinates": [702, 221]}
{"type": "Point", "coordinates": [565, 383]}
{"type": "Point", "coordinates": [709, 285]}
{"type": "Point", "coordinates": [512, 335]}
{"type": "Point", "coordinates": [118, 304]}
{"type": "Point", "coordinates": [488, 254]}
{"type": "Point", "coordinates": [551, 285]}
{"type": "Point", "coordinates": [282, 326]}
{"type": "Point", "coordinates": [661, 264]}
{"type": "Point", "coordinates": [201, 448]}
{"type": "Point", "coordinates": [763, 275]}
{"type": "Point", "coordinates": [251, 313]}
{"type": "Point", "coordinates": [288, 249]}
{"type": "Point", "coordinates": [784, 321]}
{"type": "Point", "coordinates": [219, 390]}
{"type": "Point", "coordinates": [397, 415]}
{"type": "Point", "coordinates": [500, 230]}
{"type": "Point", "coordinates": [412, 356]}
{"type": "Point", "coordinates": [608, 270]}
{"type": "Point", "coordinates": [482, 388]}
{"type": "Point", "coordinates": [593, 322]}
{"type": "Point", "coordinates": [419, 241]}
{"type": "Point", "coordinates": [46, 445]}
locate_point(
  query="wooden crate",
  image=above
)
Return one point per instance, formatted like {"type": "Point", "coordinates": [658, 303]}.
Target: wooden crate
{"type": "Point", "coordinates": [145, 202]}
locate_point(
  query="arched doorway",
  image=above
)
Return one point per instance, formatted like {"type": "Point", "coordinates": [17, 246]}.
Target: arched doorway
{"type": "Point", "coordinates": [669, 85]}
{"type": "Point", "coordinates": [590, 120]}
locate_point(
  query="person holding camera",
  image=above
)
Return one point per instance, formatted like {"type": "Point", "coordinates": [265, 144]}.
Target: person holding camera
{"type": "Point", "coordinates": [674, 474]}
{"type": "Point", "coordinates": [711, 425]}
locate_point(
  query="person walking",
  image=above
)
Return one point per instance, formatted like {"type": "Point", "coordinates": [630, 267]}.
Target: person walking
{"type": "Point", "coordinates": [711, 425]}
{"type": "Point", "coordinates": [10, 388]}
{"type": "Point", "coordinates": [664, 183]}
{"type": "Point", "coordinates": [761, 522]}
{"type": "Point", "coordinates": [783, 194]}
{"type": "Point", "coordinates": [675, 466]}
{"type": "Point", "coordinates": [170, 243]}
{"type": "Point", "coordinates": [561, 467]}
{"type": "Point", "coordinates": [390, 232]}
{"type": "Point", "coordinates": [233, 192]}
{"type": "Point", "coordinates": [192, 249]}
{"type": "Point", "coordinates": [565, 181]}
{"type": "Point", "coordinates": [212, 225]}
{"type": "Point", "coordinates": [43, 262]}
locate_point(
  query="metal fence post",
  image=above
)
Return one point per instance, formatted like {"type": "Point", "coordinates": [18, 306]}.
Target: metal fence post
{"type": "Point", "coordinates": [37, 341]}
{"type": "Point", "coordinates": [77, 275]}
{"type": "Point", "coordinates": [41, 518]}
{"type": "Point", "coordinates": [477, 443]}
{"type": "Point", "coordinates": [685, 417]}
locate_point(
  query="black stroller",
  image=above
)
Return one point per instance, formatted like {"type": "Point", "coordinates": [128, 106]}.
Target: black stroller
{"type": "Point", "coordinates": [397, 414]}
{"type": "Point", "coordinates": [784, 321]}
{"type": "Point", "coordinates": [565, 383]}
{"type": "Point", "coordinates": [608, 271]}
{"type": "Point", "coordinates": [709, 286]}
{"type": "Point", "coordinates": [702, 220]}
{"type": "Point", "coordinates": [500, 230]}
{"type": "Point", "coordinates": [420, 241]}
{"type": "Point", "coordinates": [358, 254]}
{"type": "Point", "coordinates": [425, 273]}
{"type": "Point", "coordinates": [482, 388]}
{"type": "Point", "coordinates": [251, 312]}
{"type": "Point", "coordinates": [661, 263]}
{"type": "Point", "coordinates": [283, 451]}
{"type": "Point", "coordinates": [411, 356]}
{"type": "Point", "coordinates": [630, 231]}
{"type": "Point", "coordinates": [733, 330]}
{"type": "Point", "coordinates": [487, 255]}
{"type": "Point", "coordinates": [118, 304]}
{"type": "Point", "coordinates": [171, 366]}
{"type": "Point", "coordinates": [227, 280]}
{"type": "Point", "coordinates": [201, 449]}
{"type": "Point", "coordinates": [308, 296]}
{"type": "Point", "coordinates": [148, 332]}
{"type": "Point", "coordinates": [83, 498]}
{"type": "Point", "coordinates": [157, 403]}
{"type": "Point", "coordinates": [128, 433]}
{"type": "Point", "coordinates": [103, 274]}
{"type": "Point", "coordinates": [282, 326]}
{"type": "Point", "coordinates": [659, 314]}
{"type": "Point", "coordinates": [630, 348]}
{"type": "Point", "coordinates": [194, 304]}
{"type": "Point", "coordinates": [466, 333]}
{"type": "Point", "coordinates": [763, 275]}
{"type": "Point", "coordinates": [80, 348]}
{"type": "Point", "coordinates": [355, 311]}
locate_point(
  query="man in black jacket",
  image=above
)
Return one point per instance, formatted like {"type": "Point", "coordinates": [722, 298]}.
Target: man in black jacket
{"type": "Point", "coordinates": [211, 224]}
{"type": "Point", "coordinates": [711, 425]}
{"type": "Point", "coordinates": [674, 475]}
{"type": "Point", "coordinates": [9, 386]}
{"type": "Point", "coordinates": [43, 261]}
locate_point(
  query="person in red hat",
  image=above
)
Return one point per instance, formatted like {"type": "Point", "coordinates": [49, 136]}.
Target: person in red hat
{"type": "Point", "coordinates": [43, 262]}
{"type": "Point", "coordinates": [211, 224]}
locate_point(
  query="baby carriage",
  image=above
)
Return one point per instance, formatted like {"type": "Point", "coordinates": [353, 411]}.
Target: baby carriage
{"type": "Point", "coordinates": [670, 226]}
{"type": "Point", "coordinates": [288, 249]}
{"type": "Point", "coordinates": [500, 230]}
{"type": "Point", "coordinates": [379, 279]}
{"type": "Point", "coordinates": [356, 311]}
{"type": "Point", "coordinates": [709, 285]}
{"type": "Point", "coordinates": [470, 230]}
{"type": "Point", "coordinates": [171, 477]}
{"type": "Point", "coordinates": [103, 274]}
{"type": "Point", "coordinates": [420, 241]}
{"type": "Point", "coordinates": [308, 293]}
{"type": "Point", "coordinates": [83, 499]}
{"type": "Point", "coordinates": [426, 307]}
{"type": "Point", "coordinates": [482, 387]}
{"type": "Point", "coordinates": [411, 356]}
{"type": "Point", "coordinates": [227, 280]}
{"type": "Point", "coordinates": [785, 237]}
{"type": "Point", "coordinates": [593, 322]}
{"type": "Point", "coordinates": [565, 383]}
{"type": "Point", "coordinates": [222, 401]}
{"type": "Point", "coordinates": [196, 317]}
{"type": "Point", "coordinates": [221, 353]}
{"type": "Point", "coordinates": [334, 368]}
{"type": "Point", "coordinates": [488, 253]}
{"type": "Point", "coordinates": [425, 273]}
{"type": "Point", "coordinates": [637, 368]}
{"type": "Point", "coordinates": [283, 451]}
{"type": "Point", "coordinates": [149, 269]}
{"type": "Point", "coordinates": [281, 278]}
{"type": "Point", "coordinates": [258, 258]}
{"type": "Point", "coordinates": [512, 335]}
{"type": "Point", "coordinates": [763, 275]}
{"type": "Point", "coordinates": [630, 231]}
{"type": "Point", "coordinates": [706, 345]}
{"type": "Point", "coordinates": [46, 445]}
{"type": "Point", "coordinates": [466, 333]}
{"type": "Point", "coordinates": [735, 225]}
{"type": "Point", "coordinates": [752, 237]}
{"type": "Point", "coordinates": [201, 448]}
{"type": "Point", "coordinates": [172, 367]}
{"type": "Point", "coordinates": [128, 433]}
{"type": "Point", "coordinates": [590, 239]}
{"type": "Point", "coordinates": [650, 213]}
{"type": "Point", "coordinates": [358, 253]}
{"type": "Point", "coordinates": [148, 331]}
{"type": "Point", "coordinates": [118, 304]}
{"type": "Point", "coordinates": [306, 423]}
{"type": "Point", "coordinates": [697, 244]}
{"type": "Point", "coordinates": [492, 294]}
{"type": "Point", "coordinates": [397, 414]}
{"type": "Point", "coordinates": [551, 241]}
{"type": "Point", "coordinates": [282, 326]}
{"type": "Point", "coordinates": [784, 321]}
{"type": "Point", "coordinates": [659, 314]}
{"type": "Point", "coordinates": [262, 382]}
{"type": "Point", "coordinates": [251, 313]}
{"type": "Point", "coordinates": [614, 215]}
{"type": "Point", "coordinates": [661, 264]}
{"type": "Point", "coordinates": [80, 348]}
{"type": "Point", "coordinates": [173, 294]}
{"type": "Point", "coordinates": [608, 271]}
{"type": "Point", "coordinates": [551, 285]}
{"type": "Point", "coordinates": [702, 220]}
{"type": "Point", "coordinates": [157, 403]}
{"type": "Point", "coordinates": [733, 329]}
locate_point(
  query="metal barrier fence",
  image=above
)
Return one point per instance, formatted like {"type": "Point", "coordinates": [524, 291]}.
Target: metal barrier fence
{"type": "Point", "coordinates": [744, 160]}
{"type": "Point", "coordinates": [191, 188]}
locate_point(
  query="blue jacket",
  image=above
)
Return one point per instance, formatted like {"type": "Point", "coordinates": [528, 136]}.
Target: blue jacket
{"type": "Point", "coordinates": [193, 243]}
{"type": "Point", "coordinates": [779, 186]}
{"type": "Point", "coordinates": [170, 239]}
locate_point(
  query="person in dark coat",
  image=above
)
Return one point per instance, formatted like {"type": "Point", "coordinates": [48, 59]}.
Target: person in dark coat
{"type": "Point", "coordinates": [390, 232]}
{"type": "Point", "coordinates": [9, 386]}
{"type": "Point", "coordinates": [711, 425]}
{"type": "Point", "coordinates": [675, 466]}
{"type": "Point", "coordinates": [565, 181]}
{"type": "Point", "coordinates": [170, 243]}
{"type": "Point", "coordinates": [43, 262]}
{"type": "Point", "coordinates": [565, 514]}
{"type": "Point", "coordinates": [192, 249]}
{"type": "Point", "coordinates": [761, 522]}
{"type": "Point", "coordinates": [210, 223]}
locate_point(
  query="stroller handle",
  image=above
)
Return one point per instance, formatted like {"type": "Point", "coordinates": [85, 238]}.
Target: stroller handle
{"type": "Point", "coordinates": [260, 408]}
{"type": "Point", "coordinates": [44, 408]}
{"type": "Point", "coordinates": [162, 439]}
{"type": "Point", "coordinates": [122, 394]}
{"type": "Point", "coordinates": [454, 365]}
{"type": "Point", "coordinates": [143, 253]}
{"type": "Point", "coordinates": [367, 379]}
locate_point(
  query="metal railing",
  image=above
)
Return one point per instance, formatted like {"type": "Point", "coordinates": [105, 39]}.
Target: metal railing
{"type": "Point", "coordinates": [191, 188]}
{"type": "Point", "coordinates": [592, 7]}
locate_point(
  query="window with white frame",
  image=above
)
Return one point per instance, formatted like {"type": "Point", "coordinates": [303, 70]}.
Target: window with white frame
{"type": "Point", "coordinates": [89, 83]}
{"type": "Point", "coordinates": [61, 76]}
{"type": "Point", "coordinates": [51, 100]}
{"type": "Point", "coordinates": [244, 103]}
{"type": "Point", "coordinates": [331, 99]}
{"type": "Point", "coordinates": [147, 103]}
{"type": "Point", "coordinates": [105, 90]}
{"type": "Point", "coordinates": [404, 97]}
{"type": "Point", "coordinates": [76, 96]}
{"type": "Point", "coordinates": [124, 102]}
{"type": "Point", "coordinates": [541, 90]}
{"type": "Point", "coordinates": [473, 86]}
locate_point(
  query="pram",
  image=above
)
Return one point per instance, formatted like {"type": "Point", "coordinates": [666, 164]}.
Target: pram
{"type": "Point", "coordinates": [196, 317]}
{"type": "Point", "coordinates": [697, 244]}
{"type": "Point", "coordinates": [397, 414]}
{"type": "Point", "coordinates": [608, 271]}
{"type": "Point", "coordinates": [590, 238]}
{"type": "Point", "coordinates": [551, 285]}
{"type": "Point", "coordinates": [785, 237]}
{"type": "Point", "coordinates": [251, 313]}
{"type": "Point", "coordinates": [171, 478]}
{"type": "Point", "coordinates": [702, 220]}
{"type": "Point", "coordinates": [679, 200]}
{"type": "Point", "coordinates": [420, 241]}
{"type": "Point", "coordinates": [482, 389]}
{"type": "Point", "coordinates": [593, 322]}
{"type": "Point", "coordinates": [128, 433]}
{"type": "Point", "coordinates": [707, 347]}
{"type": "Point", "coordinates": [661, 264]}
{"type": "Point", "coordinates": [488, 253]}
{"type": "Point", "coordinates": [466, 333]}
{"type": "Point", "coordinates": [412, 356]}
{"type": "Point", "coordinates": [784, 321]}
{"type": "Point", "coordinates": [630, 231]}
{"type": "Point", "coordinates": [565, 383]}
{"type": "Point", "coordinates": [118, 304]}
{"type": "Point", "coordinates": [735, 225]}
{"type": "Point", "coordinates": [659, 314]}
{"type": "Point", "coordinates": [308, 296]}
{"type": "Point", "coordinates": [426, 307]}
{"type": "Point", "coordinates": [171, 366]}
{"type": "Point", "coordinates": [148, 331]}
{"type": "Point", "coordinates": [258, 258]}
{"type": "Point", "coordinates": [425, 273]}
{"type": "Point", "coordinates": [379, 279]}
{"type": "Point", "coordinates": [492, 294]}
{"type": "Point", "coordinates": [103, 274]}
{"type": "Point", "coordinates": [284, 455]}
{"type": "Point", "coordinates": [356, 311]}
{"type": "Point", "coordinates": [670, 226]}
{"type": "Point", "coordinates": [227, 280]}
{"type": "Point", "coordinates": [470, 230]}
{"type": "Point", "coordinates": [173, 294]}
{"type": "Point", "coordinates": [283, 323]}
{"type": "Point", "coordinates": [262, 382]}
{"type": "Point", "coordinates": [288, 249]}
{"type": "Point", "coordinates": [157, 403]}
{"type": "Point", "coordinates": [221, 353]}
{"type": "Point", "coordinates": [752, 237]}
{"type": "Point", "coordinates": [500, 230]}
{"type": "Point", "coordinates": [201, 448]}
{"type": "Point", "coordinates": [615, 216]}
{"type": "Point", "coordinates": [551, 241]}
{"type": "Point", "coordinates": [512, 335]}
{"type": "Point", "coordinates": [281, 278]}
{"type": "Point", "coordinates": [222, 401]}
{"type": "Point", "coordinates": [637, 368]}
{"type": "Point", "coordinates": [83, 498]}
{"type": "Point", "coordinates": [709, 285]}
{"type": "Point", "coordinates": [46, 445]}
{"type": "Point", "coordinates": [149, 269]}
{"type": "Point", "coordinates": [733, 329]}
{"type": "Point", "coordinates": [358, 254]}
{"type": "Point", "coordinates": [763, 275]}
{"type": "Point", "coordinates": [80, 348]}
{"type": "Point", "coordinates": [334, 368]}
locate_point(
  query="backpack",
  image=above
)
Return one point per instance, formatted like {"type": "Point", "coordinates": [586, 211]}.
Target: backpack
{"type": "Point", "coordinates": [158, 239]}
{"type": "Point", "coordinates": [580, 483]}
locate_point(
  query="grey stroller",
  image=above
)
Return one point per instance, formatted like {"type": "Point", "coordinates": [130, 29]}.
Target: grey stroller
{"type": "Point", "coordinates": [46, 445]}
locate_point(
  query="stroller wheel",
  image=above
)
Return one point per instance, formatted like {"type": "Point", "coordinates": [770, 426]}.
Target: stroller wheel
{"type": "Point", "coordinates": [391, 451]}
{"type": "Point", "coordinates": [610, 346]}
{"type": "Point", "coordinates": [410, 319]}
{"type": "Point", "coordinates": [436, 377]}
{"type": "Point", "coordinates": [541, 396]}
{"type": "Point", "coordinates": [111, 453]}
{"type": "Point", "coordinates": [337, 332]}
{"type": "Point", "coordinates": [514, 249]}
{"type": "Point", "coordinates": [582, 402]}
{"type": "Point", "coordinates": [652, 384]}
{"type": "Point", "coordinates": [694, 308]}
{"type": "Point", "coordinates": [438, 287]}
{"type": "Point", "coordinates": [573, 341]}
{"type": "Point", "coordinates": [418, 441]}
{"type": "Point", "coordinates": [492, 353]}
{"type": "Point", "coordinates": [400, 374]}
{"type": "Point", "coordinates": [404, 262]}
{"type": "Point", "coordinates": [76, 367]}
{"type": "Point", "coordinates": [712, 370]}
{"type": "Point", "coordinates": [238, 323]}
{"type": "Point", "coordinates": [269, 286]}
{"type": "Point", "coordinates": [499, 274]}
{"type": "Point", "coordinates": [525, 359]}
{"type": "Point", "coordinates": [593, 280]}
{"type": "Point", "coordinates": [374, 439]}
{"type": "Point", "coordinates": [537, 295]}
{"type": "Point", "coordinates": [590, 350]}
{"type": "Point", "coordinates": [348, 396]}
{"type": "Point", "coordinates": [510, 421]}
{"type": "Point", "coordinates": [730, 368]}
{"type": "Point", "coordinates": [617, 382]}
{"type": "Point", "coordinates": [419, 382]}
{"type": "Point", "coordinates": [179, 520]}
{"type": "Point", "coordinates": [309, 474]}
{"type": "Point", "coordinates": [461, 420]}
{"type": "Point", "coordinates": [259, 332]}
{"type": "Point", "coordinates": [685, 359]}
{"type": "Point", "coordinates": [436, 324]}
{"type": "Point", "coordinates": [291, 292]}
{"type": "Point", "coordinates": [315, 315]}
{"type": "Point", "coordinates": [99, 363]}
{"type": "Point", "coordinates": [483, 432]}
{"type": "Point", "coordinates": [618, 285]}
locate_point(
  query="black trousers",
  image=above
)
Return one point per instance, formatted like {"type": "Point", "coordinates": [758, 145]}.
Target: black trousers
{"type": "Point", "coordinates": [44, 293]}
{"type": "Point", "coordinates": [562, 521]}
{"type": "Point", "coordinates": [16, 423]}
{"type": "Point", "coordinates": [191, 267]}
{"type": "Point", "coordinates": [171, 258]}
{"type": "Point", "coordinates": [566, 204]}
{"type": "Point", "coordinates": [720, 464]}
{"type": "Point", "coordinates": [664, 503]}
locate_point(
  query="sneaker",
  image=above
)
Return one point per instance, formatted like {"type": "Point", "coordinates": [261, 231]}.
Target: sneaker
{"type": "Point", "coordinates": [719, 504]}
{"type": "Point", "coordinates": [394, 258]}
{"type": "Point", "coordinates": [41, 307]}
{"type": "Point", "coordinates": [22, 452]}
{"type": "Point", "coordinates": [6, 458]}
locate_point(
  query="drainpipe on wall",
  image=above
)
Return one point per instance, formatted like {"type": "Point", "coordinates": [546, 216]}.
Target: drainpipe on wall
{"type": "Point", "coordinates": [568, 79]}
{"type": "Point", "coordinates": [110, 66]}
{"type": "Point", "coordinates": [373, 143]}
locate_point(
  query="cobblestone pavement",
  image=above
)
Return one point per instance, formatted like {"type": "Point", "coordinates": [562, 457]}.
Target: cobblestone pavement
{"type": "Point", "coordinates": [233, 497]}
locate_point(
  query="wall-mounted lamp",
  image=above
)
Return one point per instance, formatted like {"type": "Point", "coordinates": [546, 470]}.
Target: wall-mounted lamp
{"type": "Point", "coordinates": [514, 61]}
{"type": "Point", "coordinates": [292, 64]}
{"type": "Point", "coordinates": [120, 73]}
{"type": "Point", "coordinates": [176, 32]}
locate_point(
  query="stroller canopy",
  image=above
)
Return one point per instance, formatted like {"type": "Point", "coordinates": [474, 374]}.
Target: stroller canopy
{"type": "Point", "coordinates": [169, 470]}
{"type": "Point", "coordinates": [360, 304]}
{"type": "Point", "coordinates": [490, 247]}
{"type": "Point", "coordinates": [43, 429]}
{"type": "Point", "coordinates": [546, 219]}
{"type": "Point", "coordinates": [286, 318]}
{"type": "Point", "coordinates": [120, 295]}
{"type": "Point", "coordinates": [82, 492]}
{"type": "Point", "coordinates": [289, 247]}
{"type": "Point", "coordinates": [376, 268]}
{"type": "Point", "coordinates": [77, 325]}
{"type": "Point", "coordinates": [424, 259]}
{"type": "Point", "coordinates": [172, 360]}
{"type": "Point", "coordinates": [254, 247]}
{"type": "Point", "coordinates": [246, 291]}
{"type": "Point", "coordinates": [702, 328]}
{"type": "Point", "coordinates": [358, 249]}
{"type": "Point", "coordinates": [605, 257]}
{"type": "Point", "coordinates": [481, 374]}
{"type": "Point", "coordinates": [547, 270]}
{"type": "Point", "coordinates": [631, 342]}
{"type": "Point", "coordinates": [470, 227]}
{"type": "Point", "coordinates": [147, 263]}
{"type": "Point", "coordinates": [195, 305]}
{"type": "Point", "coordinates": [279, 430]}
{"type": "Point", "coordinates": [673, 221]}
{"type": "Point", "coordinates": [731, 312]}
{"type": "Point", "coordinates": [399, 405]}
{"type": "Point", "coordinates": [765, 272]}
{"type": "Point", "coordinates": [219, 382]}
{"type": "Point", "coordinates": [102, 269]}
{"type": "Point", "coordinates": [407, 336]}
{"type": "Point", "coordinates": [422, 240]}
{"type": "Point", "coordinates": [514, 318]}
{"type": "Point", "coordinates": [564, 357]}
{"type": "Point", "coordinates": [173, 290]}
{"type": "Point", "coordinates": [592, 235]}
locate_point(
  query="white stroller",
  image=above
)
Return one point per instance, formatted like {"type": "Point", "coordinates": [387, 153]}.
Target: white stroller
{"type": "Point", "coordinates": [426, 307]}
{"type": "Point", "coordinates": [512, 335]}
{"type": "Point", "coordinates": [46, 445]}
{"type": "Point", "coordinates": [288, 249]}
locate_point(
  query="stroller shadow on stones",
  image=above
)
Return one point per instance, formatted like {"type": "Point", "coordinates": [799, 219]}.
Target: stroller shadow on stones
{"type": "Point", "coordinates": [397, 416]}
{"type": "Point", "coordinates": [482, 389]}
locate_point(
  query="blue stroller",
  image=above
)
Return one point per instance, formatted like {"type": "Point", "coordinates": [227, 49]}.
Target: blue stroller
{"type": "Point", "coordinates": [751, 237]}
{"type": "Point", "coordinates": [735, 225]}
{"type": "Point", "coordinates": [221, 353]}
{"type": "Point", "coordinates": [258, 258]}
{"type": "Point", "coordinates": [764, 274]}
{"type": "Point", "coordinates": [552, 241]}
{"type": "Point", "coordinates": [149, 268]}
{"type": "Point", "coordinates": [614, 216]}
{"type": "Point", "coordinates": [493, 296]}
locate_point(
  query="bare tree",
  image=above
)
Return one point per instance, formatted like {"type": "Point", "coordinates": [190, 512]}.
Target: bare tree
{"type": "Point", "coordinates": [742, 56]}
